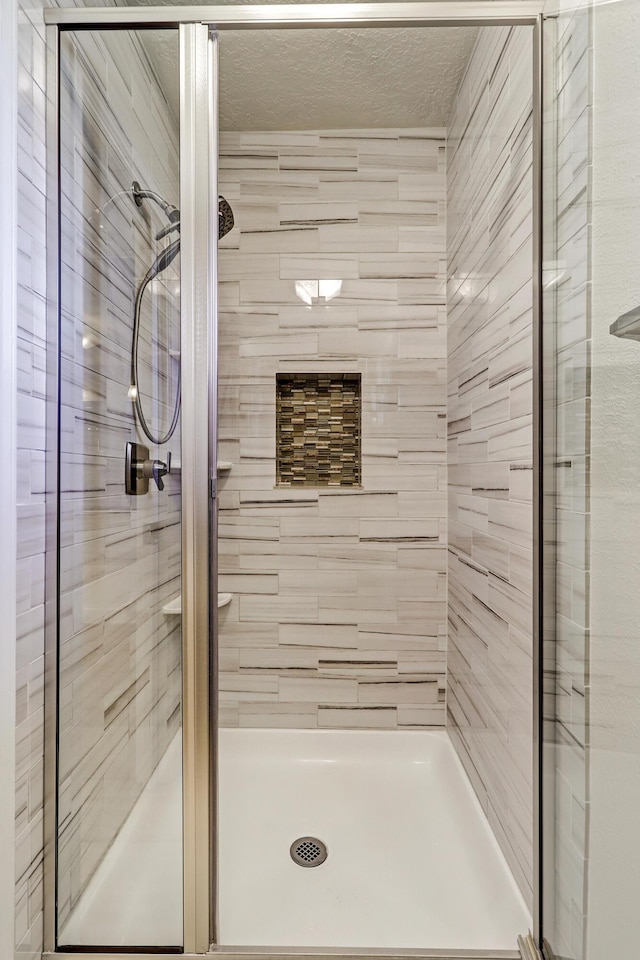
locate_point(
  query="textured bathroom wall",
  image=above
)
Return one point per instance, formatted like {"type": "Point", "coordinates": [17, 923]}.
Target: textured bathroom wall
{"type": "Point", "coordinates": [31, 390]}
{"type": "Point", "coordinates": [336, 265]}
{"type": "Point", "coordinates": [8, 464]}
{"type": "Point", "coordinates": [489, 356]}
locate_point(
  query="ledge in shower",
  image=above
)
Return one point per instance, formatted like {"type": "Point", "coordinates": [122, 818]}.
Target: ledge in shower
{"type": "Point", "coordinates": [174, 607]}
{"type": "Point", "coordinates": [224, 466]}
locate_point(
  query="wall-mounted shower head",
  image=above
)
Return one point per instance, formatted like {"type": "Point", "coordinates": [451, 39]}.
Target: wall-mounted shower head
{"type": "Point", "coordinates": [225, 213]}
{"type": "Point", "coordinates": [164, 258]}
{"type": "Point", "coordinates": [161, 262]}
{"type": "Point", "coordinates": [225, 218]}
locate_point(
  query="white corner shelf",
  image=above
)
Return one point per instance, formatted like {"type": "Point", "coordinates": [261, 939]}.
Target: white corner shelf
{"type": "Point", "coordinates": [174, 607]}
{"type": "Point", "coordinates": [224, 466]}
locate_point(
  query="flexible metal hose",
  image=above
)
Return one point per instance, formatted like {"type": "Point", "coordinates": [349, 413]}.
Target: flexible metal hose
{"type": "Point", "coordinates": [160, 263]}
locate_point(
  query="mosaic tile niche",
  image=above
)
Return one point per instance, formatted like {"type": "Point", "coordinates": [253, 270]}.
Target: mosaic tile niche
{"type": "Point", "coordinates": [318, 429]}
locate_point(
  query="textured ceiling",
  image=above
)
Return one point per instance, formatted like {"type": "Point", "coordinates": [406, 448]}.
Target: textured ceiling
{"type": "Point", "coordinates": [329, 79]}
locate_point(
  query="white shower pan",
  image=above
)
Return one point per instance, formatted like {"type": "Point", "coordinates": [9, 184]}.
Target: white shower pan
{"type": "Point", "coordinates": [412, 861]}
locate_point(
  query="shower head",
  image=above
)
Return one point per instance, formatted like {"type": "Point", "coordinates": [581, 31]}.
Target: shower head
{"type": "Point", "coordinates": [225, 218]}
{"type": "Point", "coordinates": [164, 258]}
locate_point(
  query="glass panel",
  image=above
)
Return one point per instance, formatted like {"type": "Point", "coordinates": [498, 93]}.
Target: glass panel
{"type": "Point", "coordinates": [119, 786]}
{"type": "Point", "coordinates": [566, 336]}
{"type": "Point", "coordinates": [594, 738]}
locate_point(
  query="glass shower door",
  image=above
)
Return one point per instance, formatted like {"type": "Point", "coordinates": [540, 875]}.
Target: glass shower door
{"type": "Point", "coordinates": [119, 841]}
{"type": "Point", "coordinates": [591, 874]}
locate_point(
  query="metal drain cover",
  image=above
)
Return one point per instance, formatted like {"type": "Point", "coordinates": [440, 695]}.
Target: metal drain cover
{"type": "Point", "coordinates": [308, 852]}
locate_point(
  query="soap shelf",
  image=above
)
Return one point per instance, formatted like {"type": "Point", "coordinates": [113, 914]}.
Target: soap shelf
{"type": "Point", "coordinates": [224, 466]}
{"type": "Point", "coordinates": [174, 607]}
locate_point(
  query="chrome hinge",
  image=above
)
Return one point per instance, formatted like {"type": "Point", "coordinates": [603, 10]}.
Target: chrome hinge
{"type": "Point", "coordinates": [528, 948]}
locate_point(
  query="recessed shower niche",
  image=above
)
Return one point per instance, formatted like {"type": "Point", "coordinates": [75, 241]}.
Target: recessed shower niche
{"type": "Point", "coordinates": [318, 418]}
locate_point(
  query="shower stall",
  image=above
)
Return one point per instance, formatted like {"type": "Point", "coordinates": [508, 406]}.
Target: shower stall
{"type": "Point", "coordinates": [305, 522]}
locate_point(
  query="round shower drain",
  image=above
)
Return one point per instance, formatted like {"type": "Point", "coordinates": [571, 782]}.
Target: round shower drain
{"type": "Point", "coordinates": [308, 852]}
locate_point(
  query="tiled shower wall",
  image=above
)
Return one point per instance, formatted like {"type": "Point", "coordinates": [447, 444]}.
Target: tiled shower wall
{"type": "Point", "coordinates": [336, 265]}
{"type": "Point", "coordinates": [31, 345]}
{"type": "Point", "coordinates": [489, 247]}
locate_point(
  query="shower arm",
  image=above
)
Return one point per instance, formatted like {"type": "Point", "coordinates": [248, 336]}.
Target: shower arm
{"type": "Point", "coordinates": [167, 208]}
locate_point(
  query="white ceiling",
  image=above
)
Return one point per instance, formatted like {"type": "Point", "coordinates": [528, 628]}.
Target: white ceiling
{"type": "Point", "coordinates": [328, 79]}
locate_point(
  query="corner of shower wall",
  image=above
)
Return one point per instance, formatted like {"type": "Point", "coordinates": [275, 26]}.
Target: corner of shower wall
{"type": "Point", "coordinates": [490, 405]}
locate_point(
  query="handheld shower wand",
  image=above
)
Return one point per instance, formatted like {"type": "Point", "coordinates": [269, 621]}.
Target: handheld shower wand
{"type": "Point", "coordinates": [161, 262]}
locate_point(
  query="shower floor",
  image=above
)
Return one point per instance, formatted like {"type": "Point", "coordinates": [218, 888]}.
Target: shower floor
{"type": "Point", "coordinates": [412, 862]}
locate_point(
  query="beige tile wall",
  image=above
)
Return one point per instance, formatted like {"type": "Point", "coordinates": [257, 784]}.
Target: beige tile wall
{"type": "Point", "coordinates": [489, 231]}
{"type": "Point", "coordinates": [336, 263]}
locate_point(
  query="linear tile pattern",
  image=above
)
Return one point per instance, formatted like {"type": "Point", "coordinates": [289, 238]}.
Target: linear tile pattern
{"type": "Point", "coordinates": [119, 656]}
{"type": "Point", "coordinates": [568, 315]}
{"type": "Point", "coordinates": [339, 610]}
{"type": "Point", "coordinates": [31, 405]}
{"type": "Point", "coordinates": [318, 429]}
{"type": "Point", "coordinates": [489, 355]}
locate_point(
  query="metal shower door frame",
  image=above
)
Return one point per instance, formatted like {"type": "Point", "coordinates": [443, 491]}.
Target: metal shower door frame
{"type": "Point", "coordinates": [198, 29]}
{"type": "Point", "coordinates": [199, 226]}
